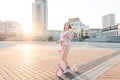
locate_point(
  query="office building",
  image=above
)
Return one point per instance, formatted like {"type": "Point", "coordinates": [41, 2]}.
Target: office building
{"type": "Point", "coordinates": [108, 20]}
{"type": "Point", "coordinates": [40, 16]}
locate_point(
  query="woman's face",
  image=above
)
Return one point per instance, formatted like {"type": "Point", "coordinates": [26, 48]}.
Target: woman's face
{"type": "Point", "coordinates": [67, 26]}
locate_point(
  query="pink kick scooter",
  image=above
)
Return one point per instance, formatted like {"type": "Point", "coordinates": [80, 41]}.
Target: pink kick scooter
{"type": "Point", "coordinates": [60, 70]}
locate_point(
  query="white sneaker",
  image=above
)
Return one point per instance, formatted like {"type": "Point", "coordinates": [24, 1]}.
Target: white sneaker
{"type": "Point", "coordinates": [75, 68]}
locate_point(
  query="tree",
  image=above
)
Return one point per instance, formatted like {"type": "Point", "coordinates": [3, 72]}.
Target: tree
{"type": "Point", "coordinates": [50, 38]}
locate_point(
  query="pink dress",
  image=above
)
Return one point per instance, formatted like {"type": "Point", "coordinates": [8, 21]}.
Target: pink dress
{"type": "Point", "coordinates": [66, 38]}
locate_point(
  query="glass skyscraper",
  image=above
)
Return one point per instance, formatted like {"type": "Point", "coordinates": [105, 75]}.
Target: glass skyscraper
{"type": "Point", "coordinates": [40, 16]}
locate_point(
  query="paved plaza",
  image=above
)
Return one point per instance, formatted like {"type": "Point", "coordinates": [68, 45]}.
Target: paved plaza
{"type": "Point", "coordinates": [112, 74]}
{"type": "Point", "coordinates": [38, 60]}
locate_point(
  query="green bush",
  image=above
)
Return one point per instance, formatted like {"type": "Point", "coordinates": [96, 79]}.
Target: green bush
{"type": "Point", "coordinates": [50, 38]}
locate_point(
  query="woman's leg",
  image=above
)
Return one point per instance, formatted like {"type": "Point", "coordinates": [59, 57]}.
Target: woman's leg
{"type": "Point", "coordinates": [65, 51]}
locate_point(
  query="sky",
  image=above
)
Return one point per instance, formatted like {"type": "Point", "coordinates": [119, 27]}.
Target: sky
{"type": "Point", "coordinates": [90, 12]}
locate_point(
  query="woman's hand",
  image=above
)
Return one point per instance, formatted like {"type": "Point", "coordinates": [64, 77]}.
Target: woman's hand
{"type": "Point", "coordinates": [59, 41]}
{"type": "Point", "coordinates": [75, 30]}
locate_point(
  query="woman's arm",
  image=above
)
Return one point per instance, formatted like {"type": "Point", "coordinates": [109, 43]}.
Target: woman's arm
{"type": "Point", "coordinates": [71, 33]}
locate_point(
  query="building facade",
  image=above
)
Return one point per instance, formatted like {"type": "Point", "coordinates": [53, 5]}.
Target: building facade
{"type": "Point", "coordinates": [77, 24]}
{"type": "Point", "coordinates": [40, 16]}
{"type": "Point", "coordinates": [111, 31]}
{"type": "Point", "coordinates": [52, 33]}
{"type": "Point", "coordinates": [110, 34]}
{"type": "Point", "coordinates": [108, 20]}
{"type": "Point", "coordinates": [93, 33]}
{"type": "Point", "coordinates": [10, 30]}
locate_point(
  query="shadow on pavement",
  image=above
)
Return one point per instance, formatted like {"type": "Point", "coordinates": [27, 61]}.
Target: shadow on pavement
{"type": "Point", "coordinates": [69, 76]}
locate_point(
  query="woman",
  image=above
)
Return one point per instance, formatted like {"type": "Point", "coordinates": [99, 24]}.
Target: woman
{"type": "Point", "coordinates": [65, 39]}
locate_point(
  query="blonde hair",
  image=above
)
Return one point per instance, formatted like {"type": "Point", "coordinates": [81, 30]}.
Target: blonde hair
{"type": "Point", "coordinates": [64, 26]}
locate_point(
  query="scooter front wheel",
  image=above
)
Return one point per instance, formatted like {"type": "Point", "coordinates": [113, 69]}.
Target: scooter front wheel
{"type": "Point", "coordinates": [59, 72]}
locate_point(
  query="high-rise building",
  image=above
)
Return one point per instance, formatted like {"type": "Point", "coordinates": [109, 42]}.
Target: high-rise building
{"type": "Point", "coordinates": [108, 20]}
{"type": "Point", "coordinates": [40, 16]}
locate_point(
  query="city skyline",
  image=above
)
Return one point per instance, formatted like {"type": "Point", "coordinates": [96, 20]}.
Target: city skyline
{"type": "Point", "coordinates": [89, 12]}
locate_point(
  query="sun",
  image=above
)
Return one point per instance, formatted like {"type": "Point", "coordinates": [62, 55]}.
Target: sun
{"type": "Point", "coordinates": [27, 29]}
{"type": "Point", "coordinates": [27, 32]}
